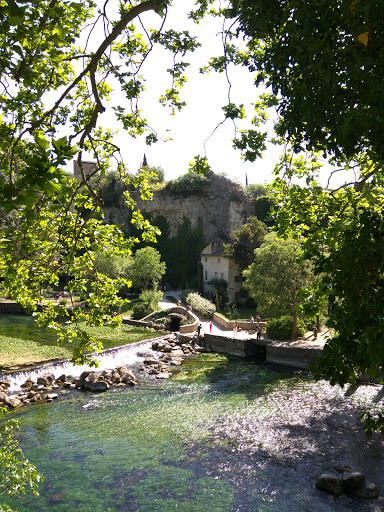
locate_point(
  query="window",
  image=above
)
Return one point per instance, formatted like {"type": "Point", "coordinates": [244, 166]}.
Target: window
{"type": "Point", "coordinates": [206, 275]}
{"type": "Point", "coordinates": [238, 279]}
{"type": "Point", "coordinates": [222, 275]}
{"type": "Point", "coordinates": [218, 260]}
{"type": "Point", "coordinates": [237, 296]}
{"type": "Point", "coordinates": [206, 259]}
{"type": "Point", "coordinates": [215, 275]}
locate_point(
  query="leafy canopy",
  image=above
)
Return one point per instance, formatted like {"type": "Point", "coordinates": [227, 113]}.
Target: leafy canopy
{"type": "Point", "coordinates": [245, 240]}
{"type": "Point", "coordinates": [59, 61]}
{"type": "Point", "coordinates": [277, 275]}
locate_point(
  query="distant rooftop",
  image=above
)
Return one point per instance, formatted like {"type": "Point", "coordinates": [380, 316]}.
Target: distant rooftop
{"type": "Point", "coordinates": [213, 249]}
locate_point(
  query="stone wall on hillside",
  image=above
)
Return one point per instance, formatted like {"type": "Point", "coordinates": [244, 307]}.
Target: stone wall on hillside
{"type": "Point", "coordinates": [222, 206]}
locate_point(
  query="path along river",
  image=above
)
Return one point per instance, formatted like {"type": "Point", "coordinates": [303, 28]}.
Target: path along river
{"type": "Point", "coordinates": [223, 435]}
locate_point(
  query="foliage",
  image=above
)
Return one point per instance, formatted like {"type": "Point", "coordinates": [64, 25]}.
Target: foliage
{"type": "Point", "coordinates": [152, 297]}
{"type": "Point", "coordinates": [55, 65]}
{"type": "Point", "coordinates": [141, 310]}
{"type": "Point", "coordinates": [245, 240]}
{"type": "Point", "coordinates": [17, 473]}
{"type": "Point", "coordinates": [184, 293]}
{"type": "Point", "coordinates": [107, 187]}
{"type": "Point", "coordinates": [153, 175]}
{"type": "Point", "coordinates": [277, 275]}
{"type": "Point", "coordinates": [326, 54]}
{"type": "Point", "coordinates": [182, 252]}
{"type": "Point", "coordinates": [262, 209]}
{"type": "Point", "coordinates": [254, 191]}
{"type": "Point", "coordinates": [202, 306]}
{"type": "Point", "coordinates": [190, 184]}
{"type": "Point", "coordinates": [115, 267]}
{"type": "Point", "coordinates": [281, 328]}
{"type": "Point", "coordinates": [221, 285]}
{"type": "Point", "coordinates": [149, 302]}
{"type": "Point", "coordinates": [146, 268]}
{"type": "Point", "coordinates": [343, 235]}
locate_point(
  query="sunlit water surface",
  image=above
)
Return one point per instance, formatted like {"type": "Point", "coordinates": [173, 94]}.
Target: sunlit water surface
{"type": "Point", "coordinates": [223, 435]}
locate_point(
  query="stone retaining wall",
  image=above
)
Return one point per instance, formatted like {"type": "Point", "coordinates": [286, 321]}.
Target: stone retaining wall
{"type": "Point", "coordinates": [235, 347]}
{"type": "Point", "coordinates": [288, 354]}
{"type": "Point", "coordinates": [228, 324]}
{"type": "Point", "coordinates": [7, 307]}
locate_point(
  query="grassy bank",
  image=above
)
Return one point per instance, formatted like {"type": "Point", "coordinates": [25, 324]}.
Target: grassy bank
{"type": "Point", "coordinates": [22, 343]}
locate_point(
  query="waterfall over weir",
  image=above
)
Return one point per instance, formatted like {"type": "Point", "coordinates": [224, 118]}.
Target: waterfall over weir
{"type": "Point", "coordinates": [127, 354]}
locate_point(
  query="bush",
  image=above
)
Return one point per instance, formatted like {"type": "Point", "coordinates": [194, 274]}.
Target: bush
{"type": "Point", "coordinates": [281, 328]}
{"type": "Point", "coordinates": [189, 184]}
{"type": "Point", "coordinates": [202, 306]}
{"type": "Point", "coordinates": [141, 310]}
{"type": "Point", "coordinates": [184, 294]}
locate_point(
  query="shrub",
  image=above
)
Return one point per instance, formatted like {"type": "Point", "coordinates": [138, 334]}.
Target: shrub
{"type": "Point", "coordinates": [203, 306]}
{"type": "Point", "coordinates": [189, 184]}
{"type": "Point", "coordinates": [281, 328]}
{"type": "Point", "coordinates": [152, 298]}
{"type": "Point", "coordinates": [184, 294]}
{"type": "Point", "coordinates": [141, 310]}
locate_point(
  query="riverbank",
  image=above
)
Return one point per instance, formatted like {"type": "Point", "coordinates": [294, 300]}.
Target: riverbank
{"type": "Point", "coordinates": [23, 344]}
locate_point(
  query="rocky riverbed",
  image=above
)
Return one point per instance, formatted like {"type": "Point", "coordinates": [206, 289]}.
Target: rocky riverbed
{"type": "Point", "coordinates": [165, 352]}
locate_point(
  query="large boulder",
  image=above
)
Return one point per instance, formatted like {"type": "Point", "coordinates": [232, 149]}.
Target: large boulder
{"type": "Point", "coordinates": [90, 379]}
{"type": "Point", "coordinates": [185, 338]}
{"type": "Point", "coordinates": [13, 402]}
{"type": "Point", "coordinates": [3, 396]}
{"type": "Point", "coordinates": [99, 385]}
{"type": "Point", "coordinates": [352, 480]}
{"type": "Point", "coordinates": [127, 377]}
{"type": "Point", "coordinates": [329, 483]}
{"type": "Point", "coordinates": [368, 491]}
{"type": "Point", "coordinates": [46, 380]}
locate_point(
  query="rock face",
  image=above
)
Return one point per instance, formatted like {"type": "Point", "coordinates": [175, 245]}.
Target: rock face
{"type": "Point", "coordinates": [222, 207]}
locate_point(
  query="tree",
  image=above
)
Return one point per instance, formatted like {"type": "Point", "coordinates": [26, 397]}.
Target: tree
{"type": "Point", "coordinates": [114, 267]}
{"type": "Point", "coordinates": [276, 277]}
{"type": "Point", "coordinates": [54, 68]}
{"type": "Point", "coordinates": [323, 65]}
{"type": "Point", "coordinates": [254, 191]}
{"type": "Point", "coordinates": [262, 208]}
{"type": "Point", "coordinates": [245, 240]}
{"type": "Point", "coordinates": [146, 269]}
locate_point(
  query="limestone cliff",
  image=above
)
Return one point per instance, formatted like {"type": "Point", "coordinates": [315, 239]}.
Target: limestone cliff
{"type": "Point", "coordinates": [221, 205]}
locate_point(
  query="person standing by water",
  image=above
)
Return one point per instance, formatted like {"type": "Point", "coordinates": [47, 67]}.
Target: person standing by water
{"type": "Point", "coordinates": [258, 330]}
{"type": "Point", "coordinates": [199, 327]}
{"type": "Point", "coordinates": [210, 326]}
{"type": "Point", "coordinates": [251, 321]}
{"type": "Point", "coordinates": [235, 327]}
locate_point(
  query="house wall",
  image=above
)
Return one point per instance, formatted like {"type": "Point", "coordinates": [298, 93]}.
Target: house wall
{"type": "Point", "coordinates": [222, 268]}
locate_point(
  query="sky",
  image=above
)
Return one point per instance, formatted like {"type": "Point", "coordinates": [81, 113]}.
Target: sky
{"type": "Point", "coordinates": [192, 127]}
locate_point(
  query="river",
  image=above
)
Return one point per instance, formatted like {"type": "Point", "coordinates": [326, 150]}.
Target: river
{"type": "Point", "coordinates": [223, 435]}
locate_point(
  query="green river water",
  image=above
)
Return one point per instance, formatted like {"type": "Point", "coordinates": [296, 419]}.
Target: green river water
{"type": "Point", "coordinates": [223, 435]}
